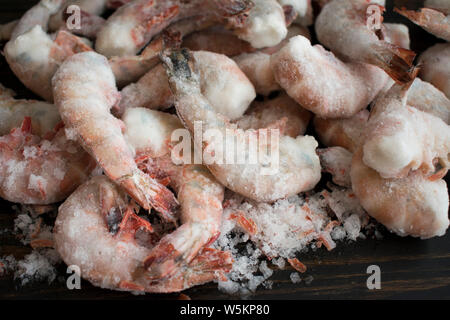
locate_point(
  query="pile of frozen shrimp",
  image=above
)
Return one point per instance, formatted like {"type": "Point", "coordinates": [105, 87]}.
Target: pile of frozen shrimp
{"type": "Point", "coordinates": [100, 141]}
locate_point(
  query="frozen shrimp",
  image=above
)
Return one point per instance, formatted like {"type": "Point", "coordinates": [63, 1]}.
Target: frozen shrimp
{"type": "Point", "coordinates": [303, 9]}
{"type": "Point", "coordinates": [199, 194]}
{"type": "Point", "coordinates": [33, 55]}
{"type": "Point", "coordinates": [44, 116]}
{"type": "Point", "coordinates": [38, 170]}
{"type": "Point", "coordinates": [218, 40]}
{"type": "Point", "coordinates": [257, 66]}
{"type": "Point", "coordinates": [322, 83]}
{"type": "Point", "coordinates": [222, 82]}
{"type": "Point", "coordinates": [133, 25]}
{"type": "Point", "coordinates": [346, 133]}
{"type": "Point", "coordinates": [401, 138]}
{"type": "Point", "coordinates": [298, 166]}
{"type": "Point", "coordinates": [341, 27]}
{"type": "Point", "coordinates": [434, 18]}
{"type": "Point", "coordinates": [37, 15]}
{"type": "Point", "coordinates": [268, 113]}
{"type": "Point", "coordinates": [97, 230]}
{"type": "Point", "coordinates": [84, 89]}
{"type": "Point", "coordinates": [265, 25]}
{"type": "Point", "coordinates": [337, 161]}
{"type": "Point", "coordinates": [435, 66]}
{"type": "Point", "coordinates": [410, 206]}
{"type": "Point", "coordinates": [424, 96]}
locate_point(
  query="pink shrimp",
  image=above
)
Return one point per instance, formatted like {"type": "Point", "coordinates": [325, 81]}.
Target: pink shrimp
{"type": "Point", "coordinates": [44, 116]}
{"type": "Point", "coordinates": [299, 168]}
{"type": "Point", "coordinates": [38, 170]}
{"type": "Point", "coordinates": [36, 67]}
{"type": "Point", "coordinates": [400, 138]}
{"type": "Point", "coordinates": [199, 194]}
{"type": "Point", "coordinates": [346, 133]}
{"type": "Point", "coordinates": [322, 83]}
{"type": "Point", "coordinates": [410, 206]}
{"type": "Point", "coordinates": [84, 90]}
{"type": "Point", "coordinates": [269, 112]}
{"type": "Point", "coordinates": [435, 67]}
{"type": "Point", "coordinates": [256, 65]}
{"type": "Point", "coordinates": [134, 24]}
{"type": "Point", "coordinates": [341, 26]}
{"type": "Point", "coordinates": [223, 83]}
{"type": "Point", "coordinates": [97, 230]}
{"type": "Point", "coordinates": [434, 18]}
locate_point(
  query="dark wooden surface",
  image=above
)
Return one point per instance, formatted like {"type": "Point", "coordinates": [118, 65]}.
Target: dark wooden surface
{"type": "Point", "coordinates": [410, 268]}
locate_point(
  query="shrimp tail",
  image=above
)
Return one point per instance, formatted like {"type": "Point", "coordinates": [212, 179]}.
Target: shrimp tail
{"type": "Point", "coordinates": [149, 193]}
{"type": "Point", "coordinates": [174, 250]}
{"type": "Point", "coordinates": [209, 265]}
{"type": "Point", "coordinates": [395, 61]}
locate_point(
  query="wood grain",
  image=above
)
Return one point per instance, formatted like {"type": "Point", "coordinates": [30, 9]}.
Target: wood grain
{"type": "Point", "coordinates": [411, 268]}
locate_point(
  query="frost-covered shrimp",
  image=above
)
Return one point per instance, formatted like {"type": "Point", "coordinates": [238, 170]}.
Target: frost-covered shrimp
{"type": "Point", "coordinates": [337, 161]}
{"type": "Point", "coordinates": [435, 67]}
{"type": "Point", "coordinates": [341, 27]}
{"type": "Point", "coordinates": [40, 171]}
{"type": "Point", "coordinates": [84, 89]}
{"type": "Point", "coordinates": [425, 97]}
{"type": "Point", "coordinates": [37, 15]}
{"type": "Point", "coordinates": [90, 20]}
{"type": "Point", "coordinates": [346, 133]}
{"type": "Point", "coordinates": [133, 25]}
{"type": "Point", "coordinates": [7, 29]}
{"type": "Point", "coordinates": [397, 33]}
{"type": "Point", "coordinates": [297, 170]}
{"type": "Point", "coordinates": [217, 39]}
{"type": "Point", "coordinates": [44, 116]}
{"type": "Point", "coordinates": [322, 83]}
{"type": "Point", "coordinates": [410, 206]}
{"type": "Point", "coordinates": [400, 138]}
{"type": "Point", "coordinates": [33, 55]}
{"type": "Point", "coordinates": [268, 113]}
{"type": "Point", "coordinates": [265, 25]}
{"type": "Point", "coordinates": [434, 18]}
{"type": "Point", "coordinates": [303, 9]}
{"type": "Point", "coordinates": [256, 65]}
{"type": "Point", "coordinates": [222, 82]}
{"type": "Point", "coordinates": [97, 230]}
{"type": "Point", "coordinates": [199, 194]}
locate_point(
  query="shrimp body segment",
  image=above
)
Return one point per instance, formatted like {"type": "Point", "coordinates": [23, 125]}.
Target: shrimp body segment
{"type": "Point", "coordinates": [400, 138]}
{"type": "Point", "coordinates": [133, 25]}
{"type": "Point", "coordinates": [34, 57]}
{"type": "Point", "coordinates": [97, 231]}
{"type": "Point", "coordinates": [281, 112]}
{"type": "Point", "coordinates": [342, 27]}
{"type": "Point", "coordinates": [434, 18]}
{"type": "Point", "coordinates": [38, 170]}
{"type": "Point", "coordinates": [323, 84]}
{"type": "Point", "coordinates": [85, 90]}
{"type": "Point", "coordinates": [299, 167]}
{"type": "Point", "coordinates": [346, 133]}
{"type": "Point", "coordinates": [199, 194]}
{"type": "Point", "coordinates": [222, 82]}
{"type": "Point", "coordinates": [265, 25]}
{"type": "Point", "coordinates": [410, 206]}
{"type": "Point", "coordinates": [435, 67]}
{"type": "Point", "coordinates": [44, 116]}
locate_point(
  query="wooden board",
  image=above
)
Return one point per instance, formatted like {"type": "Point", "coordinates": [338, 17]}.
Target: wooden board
{"type": "Point", "coordinates": [410, 268]}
